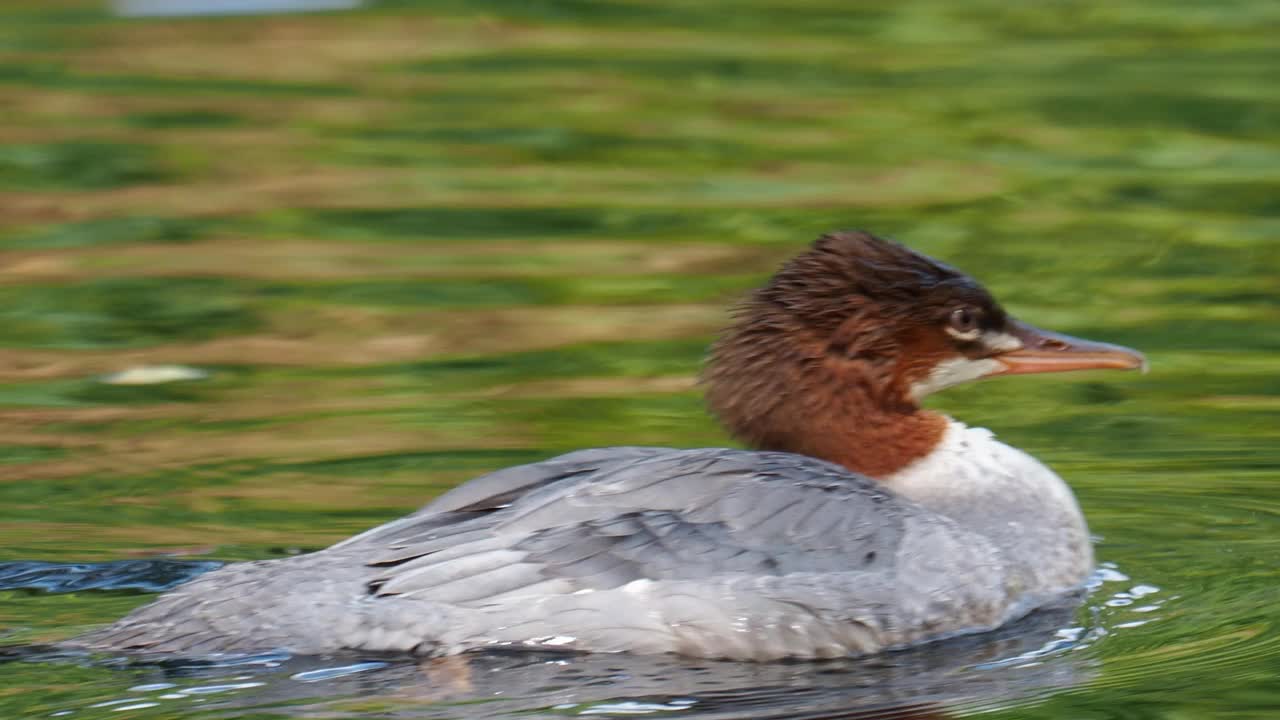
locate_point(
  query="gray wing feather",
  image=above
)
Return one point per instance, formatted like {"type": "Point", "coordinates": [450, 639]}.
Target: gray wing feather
{"type": "Point", "coordinates": [638, 549]}
{"type": "Point", "coordinates": [444, 516]}
{"type": "Point", "coordinates": [598, 520]}
{"type": "Point", "coordinates": [501, 487]}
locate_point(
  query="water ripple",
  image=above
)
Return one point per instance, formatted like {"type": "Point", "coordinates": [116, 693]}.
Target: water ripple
{"type": "Point", "coordinates": [152, 575]}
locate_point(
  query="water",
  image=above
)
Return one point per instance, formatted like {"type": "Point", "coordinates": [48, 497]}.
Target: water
{"type": "Point", "coordinates": [160, 8]}
{"type": "Point", "coordinates": [382, 251]}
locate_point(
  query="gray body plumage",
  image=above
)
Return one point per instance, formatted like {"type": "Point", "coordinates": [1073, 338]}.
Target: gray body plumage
{"type": "Point", "coordinates": [709, 552]}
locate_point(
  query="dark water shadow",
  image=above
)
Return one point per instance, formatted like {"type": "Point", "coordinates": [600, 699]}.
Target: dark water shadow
{"type": "Point", "coordinates": [144, 575]}
{"type": "Point", "coordinates": [1018, 663]}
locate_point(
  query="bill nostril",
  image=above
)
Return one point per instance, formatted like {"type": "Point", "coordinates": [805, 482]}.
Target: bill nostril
{"type": "Point", "coordinates": [1054, 344]}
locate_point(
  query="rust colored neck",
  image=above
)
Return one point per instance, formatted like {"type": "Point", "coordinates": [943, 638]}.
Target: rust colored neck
{"type": "Point", "coordinates": [873, 446]}
{"type": "Point", "coordinates": [776, 391]}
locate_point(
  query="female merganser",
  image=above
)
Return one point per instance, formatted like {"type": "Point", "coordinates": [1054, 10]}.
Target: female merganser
{"type": "Point", "coordinates": [858, 522]}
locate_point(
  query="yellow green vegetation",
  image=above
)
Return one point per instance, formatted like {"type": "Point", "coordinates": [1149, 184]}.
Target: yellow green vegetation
{"type": "Point", "coordinates": [420, 241]}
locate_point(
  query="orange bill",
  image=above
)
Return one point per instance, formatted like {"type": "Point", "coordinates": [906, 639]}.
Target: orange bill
{"type": "Point", "coordinates": [1043, 352]}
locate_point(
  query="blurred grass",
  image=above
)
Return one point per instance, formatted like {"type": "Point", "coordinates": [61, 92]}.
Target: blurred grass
{"type": "Point", "coordinates": [78, 165]}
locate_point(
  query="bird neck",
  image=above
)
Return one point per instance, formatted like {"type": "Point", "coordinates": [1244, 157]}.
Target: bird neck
{"type": "Point", "coordinates": [778, 394]}
{"type": "Point", "coordinates": [875, 445]}
{"type": "Point", "coordinates": [1029, 515]}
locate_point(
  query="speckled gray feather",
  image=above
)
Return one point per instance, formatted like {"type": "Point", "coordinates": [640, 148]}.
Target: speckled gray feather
{"type": "Point", "coordinates": [710, 552]}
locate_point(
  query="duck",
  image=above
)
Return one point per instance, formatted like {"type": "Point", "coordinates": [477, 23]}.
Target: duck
{"type": "Point", "coordinates": [854, 521]}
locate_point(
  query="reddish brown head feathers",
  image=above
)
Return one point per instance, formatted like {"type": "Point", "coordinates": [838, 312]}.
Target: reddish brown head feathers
{"type": "Point", "coordinates": [831, 357]}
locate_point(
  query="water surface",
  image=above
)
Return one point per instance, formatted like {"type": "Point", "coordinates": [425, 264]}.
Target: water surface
{"type": "Point", "coordinates": [415, 242]}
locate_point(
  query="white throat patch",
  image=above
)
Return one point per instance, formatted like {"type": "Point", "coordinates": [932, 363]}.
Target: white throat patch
{"type": "Point", "coordinates": [953, 372]}
{"type": "Point", "coordinates": [962, 370]}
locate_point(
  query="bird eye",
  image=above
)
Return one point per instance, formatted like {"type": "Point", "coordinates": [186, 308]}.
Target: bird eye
{"type": "Point", "coordinates": [963, 323]}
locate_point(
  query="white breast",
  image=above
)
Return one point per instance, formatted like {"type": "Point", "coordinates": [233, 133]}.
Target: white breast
{"type": "Point", "coordinates": [1028, 512]}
